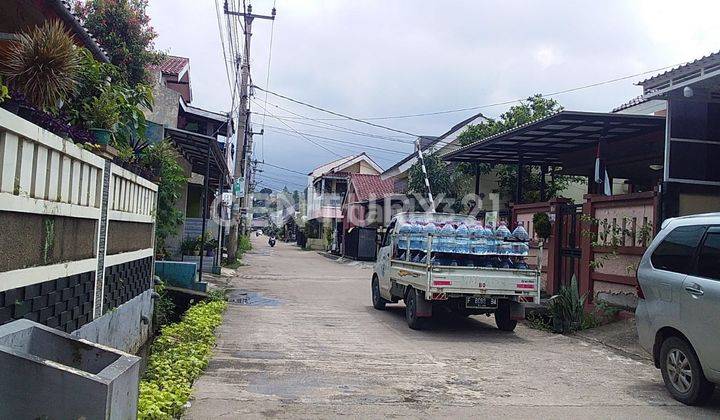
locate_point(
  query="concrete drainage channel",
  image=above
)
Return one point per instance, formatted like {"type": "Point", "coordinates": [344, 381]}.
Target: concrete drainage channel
{"type": "Point", "coordinates": [244, 297]}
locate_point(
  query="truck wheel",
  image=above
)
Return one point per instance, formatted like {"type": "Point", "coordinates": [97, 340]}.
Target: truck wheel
{"type": "Point", "coordinates": [502, 317]}
{"type": "Point", "coordinates": [682, 373]}
{"type": "Point", "coordinates": [377, 300]}
{"type": "Point", "coordinates": [413, 320]}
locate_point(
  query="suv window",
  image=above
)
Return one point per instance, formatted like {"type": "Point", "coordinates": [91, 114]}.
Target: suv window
{"type": "Point", "coordinates": [709, 259]}
{"type": "Point", "coordinates": [675, 253]}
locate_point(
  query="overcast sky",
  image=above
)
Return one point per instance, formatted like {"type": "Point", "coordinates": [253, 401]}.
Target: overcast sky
{"type": "Point", "coordinates": [396, 57]}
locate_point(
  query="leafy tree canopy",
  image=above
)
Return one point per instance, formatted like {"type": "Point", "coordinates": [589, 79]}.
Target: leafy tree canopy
{"type": "Point", "coordinates": [533, 108]}
{"type": "Point", "coordinates": [122, 28]}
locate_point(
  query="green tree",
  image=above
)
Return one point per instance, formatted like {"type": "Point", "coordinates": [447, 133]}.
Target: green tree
{"type": "Point", "coordinates": [533, 108]}
{"type": "Point", "coordinates": [450, 181]}
{"type": "Point", "coordinates": [122, 28]}
{"type": "Point", "coordinates": [162, 160]}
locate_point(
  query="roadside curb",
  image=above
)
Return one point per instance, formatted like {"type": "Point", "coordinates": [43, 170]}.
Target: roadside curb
{"type": "Point", "coordinates": [617, 349]}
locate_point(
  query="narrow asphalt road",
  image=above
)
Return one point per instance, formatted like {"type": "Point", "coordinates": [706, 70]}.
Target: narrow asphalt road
{"type": "Point", "coordinates": [303, 341]}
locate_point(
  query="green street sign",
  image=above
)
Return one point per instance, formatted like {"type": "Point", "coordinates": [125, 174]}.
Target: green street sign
{"type": "Point", "coordinates": [239, 187]}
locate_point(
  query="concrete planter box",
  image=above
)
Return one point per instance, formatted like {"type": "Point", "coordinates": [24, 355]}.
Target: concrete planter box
{"type": "Point", "coordinates": [50, 374]}
{"type": "Point", "coordinates": [208, 262]}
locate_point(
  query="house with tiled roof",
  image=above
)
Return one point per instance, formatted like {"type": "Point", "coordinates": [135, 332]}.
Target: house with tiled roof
{"type": "Point", "coordinates": [360, 217]}
{"type": "Point", "coordinates": [327, 187]}
{"type": "Point", "coordinates": [199, 137]}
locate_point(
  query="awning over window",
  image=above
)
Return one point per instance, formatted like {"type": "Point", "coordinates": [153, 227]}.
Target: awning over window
{"type": "Point", "coordinates": [550, 140]}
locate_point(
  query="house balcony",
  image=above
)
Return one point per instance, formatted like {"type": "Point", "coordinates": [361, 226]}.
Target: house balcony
{"type": "Point", "coordinates": [326, 206]}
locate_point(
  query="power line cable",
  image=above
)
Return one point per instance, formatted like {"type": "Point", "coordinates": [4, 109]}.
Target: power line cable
{"type": "Point", "coordinates": [344, 129]}
{"type": "Point", "coordinates": [267, 77]}
{"type": "Point", "coordinates": [508, 102]}
{"type": "Point", "coordinates": [303, 136]}
{"type": "Point", "coordinates": [342, 141]}
{"type": "Point", "coordinates": [336, 113]}
{"type": "Point", "coordinates": [281, 167]}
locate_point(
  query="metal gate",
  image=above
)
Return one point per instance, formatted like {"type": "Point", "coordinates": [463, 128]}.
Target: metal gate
{"type": "Point", "coordinates": [570, 226]}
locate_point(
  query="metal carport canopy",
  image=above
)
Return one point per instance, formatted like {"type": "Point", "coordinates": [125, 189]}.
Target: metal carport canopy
{"type": "Point", "coordinates": [544, 141]}
{"type": "Point", "coordinates": [194, 148]}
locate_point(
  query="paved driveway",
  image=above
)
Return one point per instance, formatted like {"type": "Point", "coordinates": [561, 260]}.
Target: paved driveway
{"type": "Point", "coordinates": [304, 341]}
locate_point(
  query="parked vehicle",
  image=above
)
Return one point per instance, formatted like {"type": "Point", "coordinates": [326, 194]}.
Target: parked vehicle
{"type": "Point", "coordinates": [271, 241]}
{"type": "Point", "coordinates": [678, 313]}
{"type": "Point", "coordinates": [437, 270]}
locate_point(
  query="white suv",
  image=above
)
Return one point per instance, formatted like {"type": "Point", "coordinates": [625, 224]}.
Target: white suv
{"type": "Point", "coordinates": [678, 313]}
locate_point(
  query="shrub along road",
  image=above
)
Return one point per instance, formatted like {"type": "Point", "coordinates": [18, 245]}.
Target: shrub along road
{"type": "Point", "coordinates": [307, 343]}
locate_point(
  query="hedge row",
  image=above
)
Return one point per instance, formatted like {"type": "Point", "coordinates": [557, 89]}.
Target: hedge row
{"type": "Point", "coordinates": [178, 356]}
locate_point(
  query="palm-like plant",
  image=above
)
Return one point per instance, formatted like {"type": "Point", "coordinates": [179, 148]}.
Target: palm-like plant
{"type": "Point", "coordinates": [43, 65]}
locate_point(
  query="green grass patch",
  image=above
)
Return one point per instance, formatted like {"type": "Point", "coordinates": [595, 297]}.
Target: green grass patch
{"type": "Point", "coordinates": [178, 356]}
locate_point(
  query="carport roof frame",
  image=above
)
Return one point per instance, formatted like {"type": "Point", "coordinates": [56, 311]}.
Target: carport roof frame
{"type": "Point", "coordinates": [543, 141]}
{"type": "Point", "coordinates": [194, 148]}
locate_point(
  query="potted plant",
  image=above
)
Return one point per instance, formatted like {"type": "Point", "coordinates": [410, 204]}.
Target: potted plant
{"type": "Point", "coordinates": [42, 64]}
{"type": "Point", "coordinates": [210, 247]}
{"type": "Point", "coordinates": [102, 114]}
{"type": "Point", "coordinates": [188, 246]}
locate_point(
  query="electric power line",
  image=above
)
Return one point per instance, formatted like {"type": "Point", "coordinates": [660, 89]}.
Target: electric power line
{"type": "Point", "coordinates": [335, 113]}
{"type": "Point", "coordinates": [341, 128]}
{"type": "Point", "coordinates": [508, 102]}
{"type": "Point", "coordinates": [301, 135]}
{"type": "Point", "coordinates": [340, 141]}
{"type": "Point", "coordinates": [281, 167]}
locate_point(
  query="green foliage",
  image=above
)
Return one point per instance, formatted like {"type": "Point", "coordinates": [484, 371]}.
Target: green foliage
{"type": "Point", "coordinates": [102, 112]}
{"type": "Point", "coordinates": [189, 246]}
{"type": "Point", "coordinates": [608, 234]}
{"type": "Point", "coordinates": [567, 308]}
{"type": "Point", "coordinates": [535, 107]}
{"type": "Point", "coordinates": [444, 179]}
{"type": "Point", "coordinates": [164, 307]}
{"type": "Point", "coordinates": [178, 357]}
{"type": "Point", "coordinates": [123, 29]}
{"type": "Point", "coordinates": [4, 92]}
{"type": "Point", "coordinates": [104, 100]}
{"type": "Point", "coordinates": [43, 65]}
{"type": "Point", "coordinates": [244, 244]}
{"type": "Point", "coordinates": [162, 160]}
{"type": "Point", "coordinates": [542, 225]}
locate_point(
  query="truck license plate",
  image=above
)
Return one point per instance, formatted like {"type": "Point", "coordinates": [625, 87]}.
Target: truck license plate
{"type": "Point", "coordinates": [480, 302]}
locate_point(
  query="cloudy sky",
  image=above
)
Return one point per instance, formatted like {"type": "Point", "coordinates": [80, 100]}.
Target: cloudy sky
{"type": "Point", "coordinates": [373, 58]}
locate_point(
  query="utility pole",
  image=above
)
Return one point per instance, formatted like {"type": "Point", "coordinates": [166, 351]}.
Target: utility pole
{"type": "Point", "coordinates": [244, 134]}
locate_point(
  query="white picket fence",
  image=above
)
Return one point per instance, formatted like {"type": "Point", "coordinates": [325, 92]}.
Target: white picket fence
{"type": "Point", "coordinates": [41, 173]}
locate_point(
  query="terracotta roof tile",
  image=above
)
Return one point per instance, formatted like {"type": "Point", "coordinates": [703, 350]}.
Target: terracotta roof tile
{"type": "Point", "coordinates": [173, 65]}
{"type": "Point", "coordinates": [367, 185]}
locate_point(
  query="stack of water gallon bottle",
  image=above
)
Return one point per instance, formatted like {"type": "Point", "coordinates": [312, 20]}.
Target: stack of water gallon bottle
{"type": "Point", "coordinates": [459, 244]}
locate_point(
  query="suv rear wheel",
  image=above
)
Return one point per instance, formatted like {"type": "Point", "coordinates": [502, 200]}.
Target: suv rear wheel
{"type": "Point", "coordinates": [682, 373]}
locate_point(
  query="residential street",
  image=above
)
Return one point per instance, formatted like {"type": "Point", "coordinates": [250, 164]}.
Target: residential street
{"type": "Point", "coordinates": [310, 345]}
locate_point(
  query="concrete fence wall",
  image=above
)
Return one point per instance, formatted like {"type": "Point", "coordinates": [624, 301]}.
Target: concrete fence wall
{"type": "Point", "coordinates": [76, 232]}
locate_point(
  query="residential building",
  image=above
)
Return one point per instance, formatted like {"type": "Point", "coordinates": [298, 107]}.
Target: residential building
{"type": "Point", "coordinates": [196, 133]}
{"type": "Point", "coordinates": [665, 145]}
{"type": "Point", "coordinates": [327, 185]}
{"type": "Point", "coordinates": [361, 215]}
